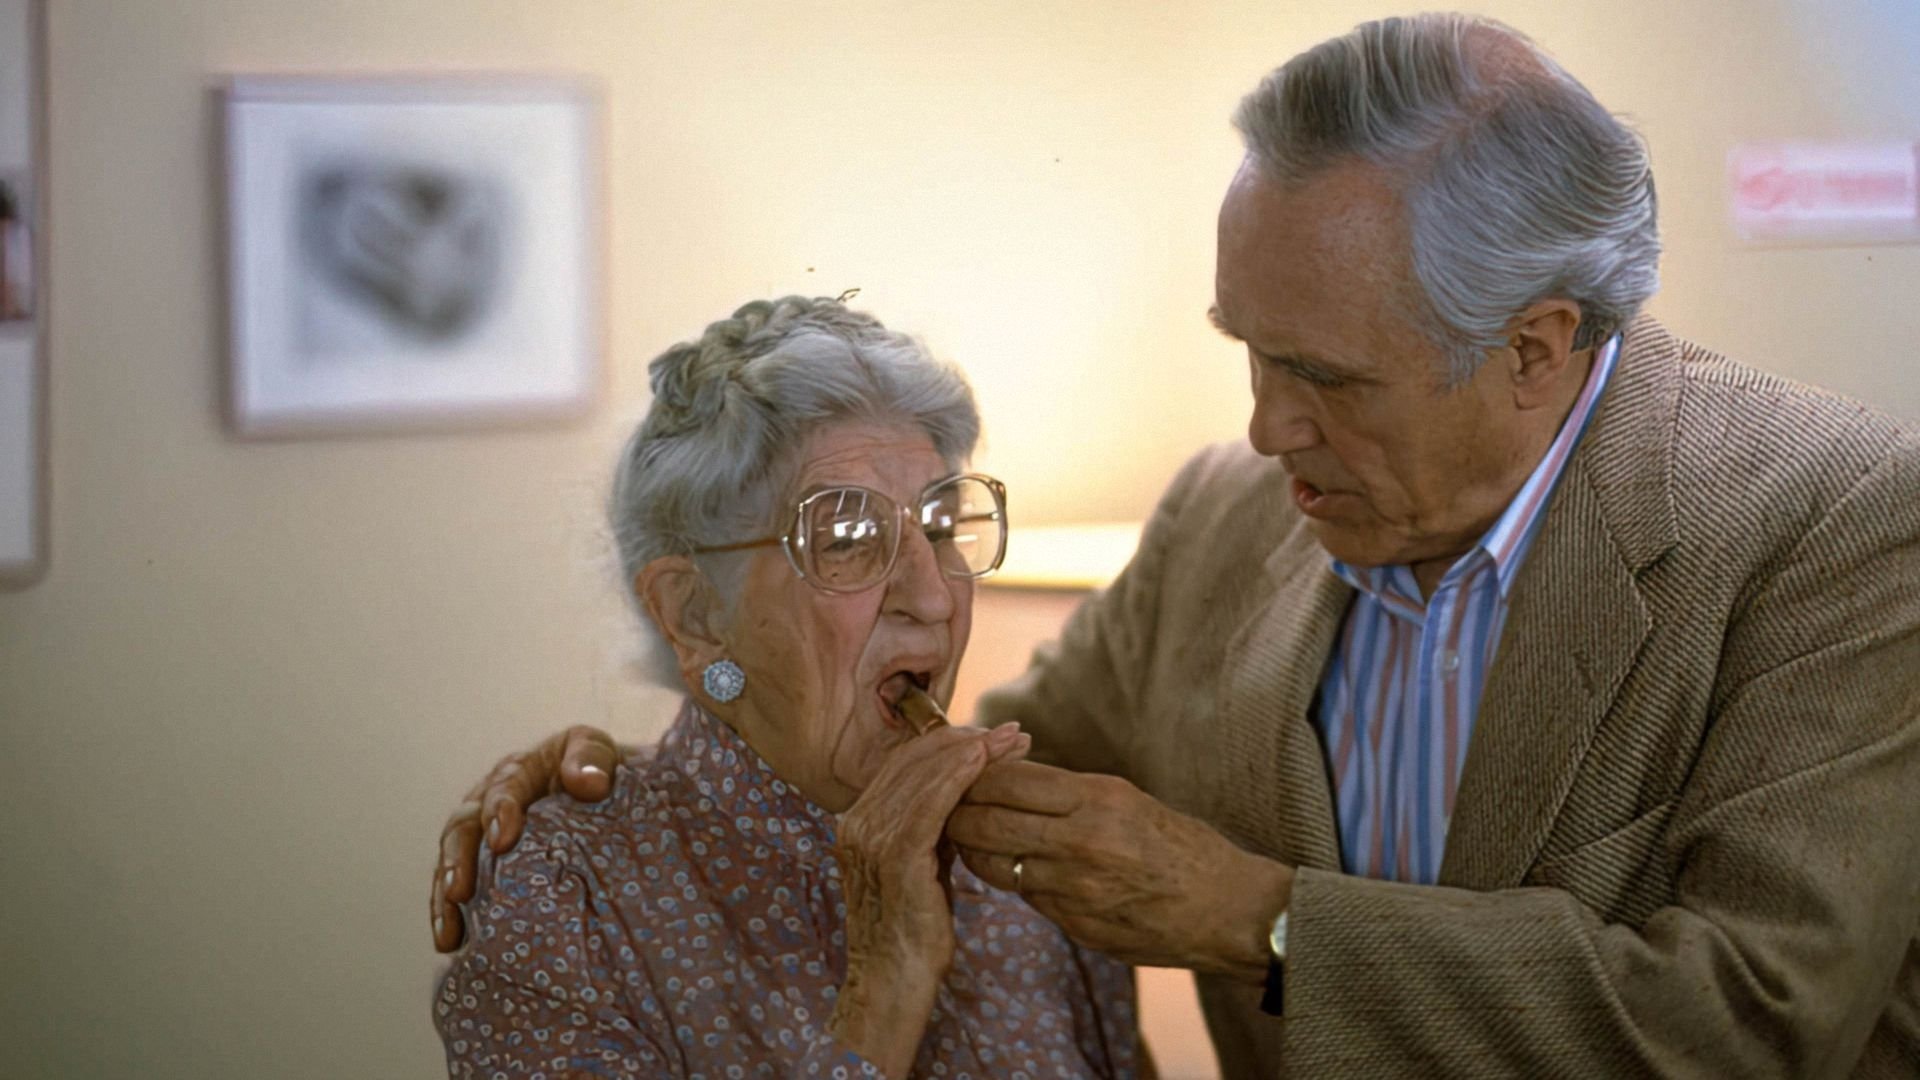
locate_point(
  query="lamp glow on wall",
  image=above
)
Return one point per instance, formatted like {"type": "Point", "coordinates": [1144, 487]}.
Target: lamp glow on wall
{"type": "Point", "coordinates": [1066, 556]}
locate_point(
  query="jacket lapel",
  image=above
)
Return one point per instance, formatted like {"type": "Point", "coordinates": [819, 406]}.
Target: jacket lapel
{"type": "Point", "coordinates": [1576, 623]}
{"type": "Point", "coordinates": [1280, 802]}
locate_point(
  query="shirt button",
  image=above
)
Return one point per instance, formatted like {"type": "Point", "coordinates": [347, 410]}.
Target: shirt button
{"type": "Point", "coordinates": [1449, 662]}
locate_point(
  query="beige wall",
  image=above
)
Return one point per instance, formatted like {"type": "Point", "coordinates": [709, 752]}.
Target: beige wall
{"type": "Point", "coordinates": [257, 676]}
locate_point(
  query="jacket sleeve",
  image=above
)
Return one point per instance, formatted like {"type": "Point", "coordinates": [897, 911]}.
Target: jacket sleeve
{"type": "Point", "coordinates": [1080, 694]}
{"type": "Point", "coordinates": [1797, 889]}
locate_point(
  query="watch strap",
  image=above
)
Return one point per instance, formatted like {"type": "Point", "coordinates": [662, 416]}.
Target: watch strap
{"type": "Point", "coordinates": [1271, 999]}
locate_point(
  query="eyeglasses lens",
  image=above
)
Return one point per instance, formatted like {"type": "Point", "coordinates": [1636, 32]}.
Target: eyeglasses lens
{"type": "Point", "coordinates": [850, 533]}
{"type": "Point", "coordinates": [849, 538]}
{"type": "Point", "coordinates": [963, 521]}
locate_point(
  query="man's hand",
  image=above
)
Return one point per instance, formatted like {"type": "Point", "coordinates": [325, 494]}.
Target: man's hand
{"type": "Point", "coordinates": [578, 761]}
{"type": "Point", "coordinates": [1121, 872]}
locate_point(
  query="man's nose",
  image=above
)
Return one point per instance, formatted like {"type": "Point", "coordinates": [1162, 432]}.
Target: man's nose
{"type": "Point", "coordinates": [1281, 422]}
{"type": "Point", "coordinates": [917, 588]}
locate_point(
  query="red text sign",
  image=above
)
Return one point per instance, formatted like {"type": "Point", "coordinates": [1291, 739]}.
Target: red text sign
{"type": "Point", "coordinates": [1843, 192]}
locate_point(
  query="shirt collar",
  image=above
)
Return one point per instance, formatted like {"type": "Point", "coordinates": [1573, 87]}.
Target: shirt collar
{"type": "Point", "coordinates": [734, 782]}
{"type": "Point", "coordinates": [1507, 542]}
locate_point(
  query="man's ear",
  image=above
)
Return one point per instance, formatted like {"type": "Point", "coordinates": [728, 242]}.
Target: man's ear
{"type": "Point", "coordinates": [1540, 347]}
{"type": "Point", "coordinates": [683, 604]}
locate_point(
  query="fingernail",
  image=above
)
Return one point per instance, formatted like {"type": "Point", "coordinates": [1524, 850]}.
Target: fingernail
{"type": "Point", "coordinates": [1005, 733]}
{"type": "Point", "coordinates": [439, 927]}
{"type": "Point", "coordinates": [593, 770]}
{"type": "Point", "coordinates": [493, 831]}
{"type": "Point", "coordinates": [1026, 741]}
{"type": "Point", "coordinates": [448, 880]}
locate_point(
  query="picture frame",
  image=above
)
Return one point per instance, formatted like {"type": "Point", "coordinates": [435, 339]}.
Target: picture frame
{"type": "Point", "coordinates": [25, 477]}
{"type": "Point", "coordinates": [412, 253]}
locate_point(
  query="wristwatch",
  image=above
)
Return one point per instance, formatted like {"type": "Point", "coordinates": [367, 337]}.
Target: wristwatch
{"type": "Point", "coordinates": [1270, 1001]}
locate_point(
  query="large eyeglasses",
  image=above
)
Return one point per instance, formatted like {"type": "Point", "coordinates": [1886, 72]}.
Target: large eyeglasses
{"type": "Point", "coordinates": [846, 539]}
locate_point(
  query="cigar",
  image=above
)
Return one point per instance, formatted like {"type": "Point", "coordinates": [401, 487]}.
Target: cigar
{"type": "Point", "coordinates": [920, 710]}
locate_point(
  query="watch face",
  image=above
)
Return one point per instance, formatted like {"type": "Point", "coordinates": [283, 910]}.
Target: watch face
{"type": "Point", "coordinates": [1277, 938]}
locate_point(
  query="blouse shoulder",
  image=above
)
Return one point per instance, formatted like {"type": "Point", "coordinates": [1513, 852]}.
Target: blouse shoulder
{"type": "Point", "coordinates": [635, 820]}
{"type": "Point", "coordinates": [549, 980]}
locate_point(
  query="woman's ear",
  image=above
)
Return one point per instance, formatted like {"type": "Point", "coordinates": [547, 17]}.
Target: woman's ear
{"type": "Point", "coordinates": [683, 604]}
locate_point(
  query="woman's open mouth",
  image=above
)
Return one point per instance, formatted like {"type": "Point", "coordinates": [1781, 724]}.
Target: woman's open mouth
{"type": "Point", "coordinates": [893, 688]}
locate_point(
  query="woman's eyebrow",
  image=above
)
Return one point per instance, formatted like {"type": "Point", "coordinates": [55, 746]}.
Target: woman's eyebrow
{"type": "Point", "coordinates": [810, 490]}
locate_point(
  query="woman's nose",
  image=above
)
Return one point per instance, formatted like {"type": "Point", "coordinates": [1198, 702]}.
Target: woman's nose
{"type": "Point", "coordinates": [917, 587]}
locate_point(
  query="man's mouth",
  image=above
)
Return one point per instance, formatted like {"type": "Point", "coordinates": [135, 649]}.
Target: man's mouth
{"type": "Point", "coordinates": [1306, 496]}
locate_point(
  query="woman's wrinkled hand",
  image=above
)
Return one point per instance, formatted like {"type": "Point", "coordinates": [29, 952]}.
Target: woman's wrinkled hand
{"type": "Point", "coordinates": [578, 761]}
{"type": "Point", "coordinates": [894, 865]}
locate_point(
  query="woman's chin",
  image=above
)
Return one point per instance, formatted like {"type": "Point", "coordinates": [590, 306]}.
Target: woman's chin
{"type": "Point", "coordinates": [854, 776]}
{"type": "Point", "coordinates": [878, 731]}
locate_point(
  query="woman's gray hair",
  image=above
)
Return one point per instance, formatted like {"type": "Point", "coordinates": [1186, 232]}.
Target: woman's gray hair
{"type": "Point", "coordinates": [711, 461]}
{"type": "Point", "coordinates": [1519, 185]}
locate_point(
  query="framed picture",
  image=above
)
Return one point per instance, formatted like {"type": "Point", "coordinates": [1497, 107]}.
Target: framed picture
{"type": "Point", "coordinates": [24, 524]}
{"type": "Point", "coordinates": [412, 253]}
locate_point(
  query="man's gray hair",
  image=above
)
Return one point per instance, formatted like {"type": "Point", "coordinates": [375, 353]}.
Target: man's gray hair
{"type": "Point", "coordinates": [710, 463]}
{"type": "Point", "coordinates": [1519, 185]}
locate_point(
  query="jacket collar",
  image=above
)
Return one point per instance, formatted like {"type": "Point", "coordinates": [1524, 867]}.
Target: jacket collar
{"type": "Point", "coordinates": [1627, 456]}
{"type": "Point", "coordinates": [1577, 622]}
{"type": "Point", "coordinates": [1277, 801]}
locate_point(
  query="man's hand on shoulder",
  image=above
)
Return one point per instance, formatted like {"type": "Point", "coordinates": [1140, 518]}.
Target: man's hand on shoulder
{"type": "Point", "coordinates": [578, 761]}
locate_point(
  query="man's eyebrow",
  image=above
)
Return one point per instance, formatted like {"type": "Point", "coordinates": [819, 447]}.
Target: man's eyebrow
{"type": "Point", "coordinates": [1311, 366]}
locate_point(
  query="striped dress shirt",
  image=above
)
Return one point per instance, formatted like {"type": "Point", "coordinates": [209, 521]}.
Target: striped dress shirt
{"type": "Point", "coordinates": [1399, 697]}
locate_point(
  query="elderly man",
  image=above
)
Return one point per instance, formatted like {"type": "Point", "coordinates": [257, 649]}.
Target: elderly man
{"type": "Point", "coordinates": [1538, 694]}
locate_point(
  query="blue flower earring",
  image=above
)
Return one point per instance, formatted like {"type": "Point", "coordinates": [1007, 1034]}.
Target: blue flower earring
{"type": "Point", "coordinates": [723, 680]}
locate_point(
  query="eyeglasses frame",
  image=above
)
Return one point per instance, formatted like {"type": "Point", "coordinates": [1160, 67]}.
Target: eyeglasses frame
{"type": "Point", "coordinates": [788, 542]}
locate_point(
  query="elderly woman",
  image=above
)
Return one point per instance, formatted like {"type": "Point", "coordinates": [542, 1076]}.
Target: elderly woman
{"type": "Point", "coordinates": [766, 893]}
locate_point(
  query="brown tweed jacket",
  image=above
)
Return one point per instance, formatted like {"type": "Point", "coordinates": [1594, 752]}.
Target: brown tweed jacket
{"type": "Point", "coordinates": [1687, 840]}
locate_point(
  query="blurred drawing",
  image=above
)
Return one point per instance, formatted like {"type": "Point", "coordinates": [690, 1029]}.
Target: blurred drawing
{"type": "Point", "coordinates": [24, 364]}
{"type": "Point", "coordinates": [411, 253]}
{"type": "Point", "coordinates": [16, 249]}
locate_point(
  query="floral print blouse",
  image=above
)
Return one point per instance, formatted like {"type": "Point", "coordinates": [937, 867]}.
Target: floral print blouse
{"type": "Point", "coordinates": [692, 925]}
